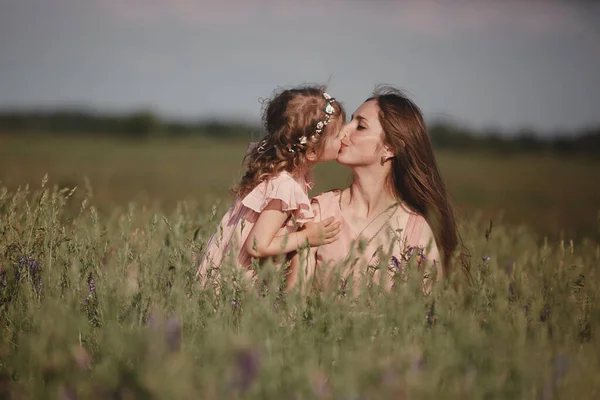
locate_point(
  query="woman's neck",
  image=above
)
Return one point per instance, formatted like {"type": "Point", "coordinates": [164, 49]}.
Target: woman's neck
{"type": "Point", "coordinates": [369, 193]}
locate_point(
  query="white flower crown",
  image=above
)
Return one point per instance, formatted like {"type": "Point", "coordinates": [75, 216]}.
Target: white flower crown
{"type": "Point", "coordinates": [321, 124]}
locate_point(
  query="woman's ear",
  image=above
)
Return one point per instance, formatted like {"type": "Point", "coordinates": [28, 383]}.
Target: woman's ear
{"type": "Point", "coordinates": [387, 152]}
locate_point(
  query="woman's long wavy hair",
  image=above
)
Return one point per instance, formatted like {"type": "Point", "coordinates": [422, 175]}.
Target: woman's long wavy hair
{"type": "Point", "coordinates": [288, 116]}
{"type": "Point", "coordinates": [415, 176]}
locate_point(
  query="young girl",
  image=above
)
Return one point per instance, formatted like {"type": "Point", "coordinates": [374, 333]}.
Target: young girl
{"type": "Point", "coordinates": [272, 212]}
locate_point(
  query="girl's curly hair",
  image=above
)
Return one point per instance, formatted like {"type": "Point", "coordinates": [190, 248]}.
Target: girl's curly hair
{"type": "Point", "coordinates": [288, 116]}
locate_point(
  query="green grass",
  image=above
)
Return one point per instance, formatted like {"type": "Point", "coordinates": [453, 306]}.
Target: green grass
{"type": "Point", "coordinates": [97, 299]}
{"type": "Point", "coordinates": [526, 328]}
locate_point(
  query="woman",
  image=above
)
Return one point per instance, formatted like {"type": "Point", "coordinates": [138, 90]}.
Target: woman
{"type": "Point", "coordinates": [396, 207]}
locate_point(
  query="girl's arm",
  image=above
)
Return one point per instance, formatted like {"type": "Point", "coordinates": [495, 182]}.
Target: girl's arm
{"type": "Point", "coordinates": [262, 241]}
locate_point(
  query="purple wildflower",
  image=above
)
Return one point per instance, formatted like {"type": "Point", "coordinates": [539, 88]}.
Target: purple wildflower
{"type": "Point", "coordinates": [342, 289]}
{"type": "Point", "coordinates": [173, 331]}
{"type": "Point", "coordinates": [33, 268]}
{"type": "Point", "coordinates": [248, 366]}
{"type": "Point", "coordinates": [511, 290]}
{"type": "Point", "coordinates": [92, 285]}
{"type": "Point", "coordinates": [18, 271]}
{"type": "Point", "coordinates": [486, 258]}
{"type": "Point", "coordinates": [430, 317]}
{"type": "Point", "coordinates": [545, 313]}
{"type": "Point", "coordinates": [396, 264]}
{"type": "Point", "coordinates": [3, 282]}
{"type": "Point", "coordinates": [428, 321]}
{"type": "Point", "coordinates": [235, 303]}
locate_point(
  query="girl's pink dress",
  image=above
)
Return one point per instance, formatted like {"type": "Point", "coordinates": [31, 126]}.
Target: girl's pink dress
{"type": "Point", "coordinates": [230, 238]}
{"type": "Point", "coordinates": [347, 249]}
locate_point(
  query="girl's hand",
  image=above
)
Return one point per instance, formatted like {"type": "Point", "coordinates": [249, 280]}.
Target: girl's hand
{"type": "Point", "coordinates": [324, 232]}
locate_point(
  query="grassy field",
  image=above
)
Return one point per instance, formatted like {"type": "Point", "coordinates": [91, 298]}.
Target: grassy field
{"type": "Point", "coordinates": [97, 298]}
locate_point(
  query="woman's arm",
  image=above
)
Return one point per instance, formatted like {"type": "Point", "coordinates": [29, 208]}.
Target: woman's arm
{"type": "Point", "coordinates": [263, 242]}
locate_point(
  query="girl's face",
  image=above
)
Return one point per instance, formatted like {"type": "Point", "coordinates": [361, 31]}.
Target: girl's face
{"type": "Point", "coordinates": [362, 138]}
{"type": "Point", "coordinates": [331, 147]}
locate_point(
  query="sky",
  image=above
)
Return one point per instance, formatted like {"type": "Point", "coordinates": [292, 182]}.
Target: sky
{"type": "Point", "coordinates": [504, 65]}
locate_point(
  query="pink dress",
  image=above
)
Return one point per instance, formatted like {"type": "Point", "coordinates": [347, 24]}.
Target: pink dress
{"type": "Point", "coordinates": [360, 256]}
{"type": "Point", "coordinates": [230, 238]}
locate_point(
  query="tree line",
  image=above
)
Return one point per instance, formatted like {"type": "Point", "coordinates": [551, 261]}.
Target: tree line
{"type": "Point", "coordinates": [143, 125]}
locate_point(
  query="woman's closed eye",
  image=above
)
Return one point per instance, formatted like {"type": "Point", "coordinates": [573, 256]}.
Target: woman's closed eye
{"type": "Point", "coordinates": [359, 122]}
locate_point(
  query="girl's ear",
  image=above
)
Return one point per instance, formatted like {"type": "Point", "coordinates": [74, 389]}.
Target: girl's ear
{"type": "Point", "coordinates": [311, 155]}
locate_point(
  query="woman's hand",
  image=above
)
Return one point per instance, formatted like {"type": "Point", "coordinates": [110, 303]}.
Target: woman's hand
{"type": "Point", "coordinates": [324, 232]}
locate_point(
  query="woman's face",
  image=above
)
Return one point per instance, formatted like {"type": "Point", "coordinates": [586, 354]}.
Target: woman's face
{"type": "Point", "coordinates": [362, 137]}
